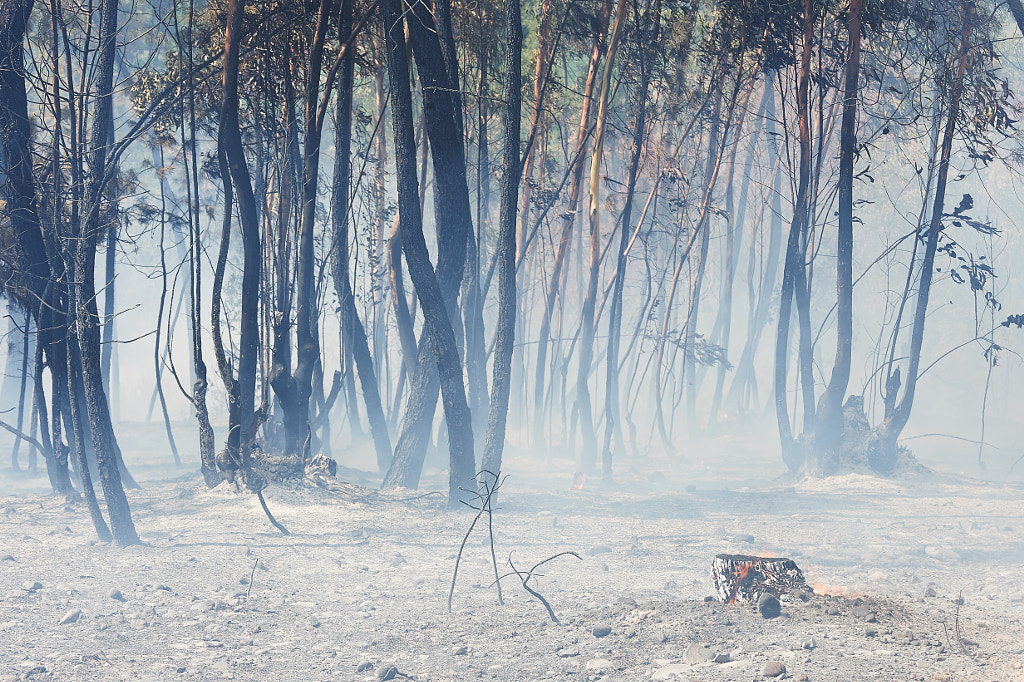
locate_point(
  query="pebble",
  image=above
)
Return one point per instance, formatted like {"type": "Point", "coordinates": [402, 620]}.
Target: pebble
{"type": "Point", "coordinates": [314, 621]}
{"type": "Point", "coordinates": [364, 666]}
{"type": "Point", "coordinates": [930, 592]}
{"type": "Point", "coordinates": [865, 613]}
{"type": "Point", "coordinates": [672, 671]}
{"type": "Point", "coordinates": [116, 595]}
{"type": "Point", "coordinates": [870, 631]}
{"type": "Point", "coordinates": [809, 644]}
{"type": "Point", "coordinates": [773, 669]}
{"type": "Point", "coordinates": [768, 606]}
{"type": "Point", "coordinates": [602, 630]}
{"type": "Point", "coordinates": [721, 658]}
{"type": "Point", "coordinates": [568, 652]}
{"type": "Point", "coordinates": [698, 653]}
{"type": "Point", "coordinates": [71, 616]}
{"type": "Point", "coordinates": [461, 651]}
{"type": "Point", "coordinates": [32, 586]}
{"type": "Point", "coordinates": [387, 671]}
{"type": "Point", "coordinates": [599, 664]}
{"type": "Point", "coordinates": [749, 539]}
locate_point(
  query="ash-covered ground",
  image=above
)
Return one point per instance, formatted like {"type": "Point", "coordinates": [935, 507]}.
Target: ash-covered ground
{"type": "Point", "coordinates": [359, 590]}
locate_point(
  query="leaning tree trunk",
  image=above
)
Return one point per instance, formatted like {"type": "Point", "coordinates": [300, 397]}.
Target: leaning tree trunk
{"type": "Point", "coordinates": [428, 288]}
{"type": "Point", "coordinates": [883, 456]}
{"type": "Point", "coordinates": [505, 332]}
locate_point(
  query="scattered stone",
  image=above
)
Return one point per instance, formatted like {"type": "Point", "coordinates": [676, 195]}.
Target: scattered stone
{"type": "Point", "coordinates": [598, 549]}
{"type": "Point", "coordinates": [768, 606]}
{"type": "Point", "coordinates": [387, 671]}
{"type": "Point", "coordinates": [599, 664]}
{"type": "Point", "coordinates": [116, 595]}
{"type": "Point", "coordinates": [803, 678]}
{"type": "Point", "coordinates": [749, 539]}
{"type": "Point", "coordinates": [671, 671]}
{"type": "Point", "coordinates": [773, 669]}
{"type": "Point", "coordinates": [865, 613]}
{"type": "Point", "coordinates": [162, 587]}
{"type": "Point", "coordinates": [71, 616]}
{"type": "Point", "coordinates": [870, 631]}
{"type": "Point", "coordinates": [314, 621]}
{"type": "Point", "coordinates": [698, 653]}
{"type": "Point", "coordinates": [32, 586]}
{"type": "Point", "coordinates": [568, 652]}
{"type": "Point", "coordinates": [721, 658]}
{"type": "Point", "coordinates": [364, 666]}
{"type": "Point", "coordinates": [461, 651]}
{"type": "Point", "coordinates": [627, 601]}
{"type": "Point", "coordinates": [6, 557]}
{"type": "Point", "coordinates": [809, 644]}
{"type": "Point", "coordinates": [930, 592]}
{"type": "Point", "coordinates": [602, 630]}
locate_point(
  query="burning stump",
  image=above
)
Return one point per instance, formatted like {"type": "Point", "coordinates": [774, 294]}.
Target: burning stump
{"type": "Point", "coordinates": [741, 579]}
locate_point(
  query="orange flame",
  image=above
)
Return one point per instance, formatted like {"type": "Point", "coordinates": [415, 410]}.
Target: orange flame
{"type": "Point", "coordinates": [741, 573]}
{"type": "Point", "coordinates": [578, 480]}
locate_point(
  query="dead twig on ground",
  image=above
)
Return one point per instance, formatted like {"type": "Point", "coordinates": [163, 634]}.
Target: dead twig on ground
{"type": "Point", "coordinates": [958, 634]}
{"type": "Point", "coordinates": [489, 485]}
{"type": "Point", "coordinates": [252, 575]}
{"type": "Point", "coordinates": [525, 576]}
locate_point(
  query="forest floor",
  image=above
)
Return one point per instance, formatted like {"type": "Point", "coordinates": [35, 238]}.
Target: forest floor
{"type": "Point", "coordinates": [362, 582]}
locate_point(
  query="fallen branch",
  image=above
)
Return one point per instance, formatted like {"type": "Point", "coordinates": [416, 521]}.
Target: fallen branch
{"type": "Point", "coordinates": [524, 577]}
{"type": "Point", "coordinates": [252, 575]}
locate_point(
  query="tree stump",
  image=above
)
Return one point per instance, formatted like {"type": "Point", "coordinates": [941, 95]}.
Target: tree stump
{"type": "Point", "coordinates": [742, 579]}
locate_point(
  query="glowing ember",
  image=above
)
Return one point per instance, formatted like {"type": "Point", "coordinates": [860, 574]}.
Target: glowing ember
{"type": "Point", "coordinates": [579, 480]}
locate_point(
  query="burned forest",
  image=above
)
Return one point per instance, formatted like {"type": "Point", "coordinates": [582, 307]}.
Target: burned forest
{"type": "Point", "coordinates": [516, 340]}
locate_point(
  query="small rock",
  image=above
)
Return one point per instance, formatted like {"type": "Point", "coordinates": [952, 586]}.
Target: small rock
{"type": "Point", "coordinates": [568, 652]}
{"type": "Point", "coordinates": [6, 557]}
{"type": "Point", "coordinates": [930, 592]}
{"type": "Point", "coordinates": [314, 621]}
{"type": "Point", "coordinates": [599, 664]}
{"type": "Point", "coordinates": [768, 606]}
{"type": "Point", "coordinates": [870, 631]}
{"type": "Point", "coordinates": [672, 671]}
{"type": "Point", "coordinates": [71, 616]}
{"type": "Point", "coordinates": [387, 671]}
{"type": "Point", "coordinates": [162, 587]}
{"type": "Point", "coordinates": [803, 678]}
{"type": "Point", "coordinates": [116, 595]}
{"type": "Point", "coordinates": [602, 630]}
{"type": "Point", "coordinates": [598, 549]}
{"type": "Point", "coordinates": [461, 651]}
{"type": "Point", "coordinates": [809, 644]}
{"type": "Point", "coordinates": [865, 613]}
{"type": "Point", "coordinates": [364, 666]}
{"type": "Point", "coordinates": [721, 658]}
{"type": "Point", "coordinates": [627, 601]}
{"type": "Point", "coordinates": [773, 669]}
{"type": "Point", "coordinates": [32, 586]}
{"type": "Point", "coordinates": [749, 539]}
{"type": "Point", "coordinates": [698, 653]}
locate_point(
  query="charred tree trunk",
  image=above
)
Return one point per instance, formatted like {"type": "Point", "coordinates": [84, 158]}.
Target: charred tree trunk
{"type": "Point", "coordinates": [883, 454]}
{"type": "Point", "coordinates": [830, 413]}
{"type": "Point", "coordinates": [794, 264]}
{"type": "Point", "coordinates": [428, 287]}
{"type": "Point", "coordinates": [505, 332]}
{"type": "Point", "coordinates": [352, 327]}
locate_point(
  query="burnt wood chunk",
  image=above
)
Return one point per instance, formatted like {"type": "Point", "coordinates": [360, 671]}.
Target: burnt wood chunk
{"type": "Point", "coordinates": [742, 579]}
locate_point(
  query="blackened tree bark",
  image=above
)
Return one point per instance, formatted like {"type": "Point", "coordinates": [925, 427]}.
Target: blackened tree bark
{"type": "Point", "coordinates": [86, 313]}
{"type": "Point", "coordinates": [882, 457]}
{"type": "Point", "coordinates": [501, 383]}
{"type": "Point", "coordinates": [230, 142]}
{"type": "Point", "coordinates": [794, 264]}
{"type": "Point", "coordinates": [830, 409]}
{"type": "Point", "coordinates": [352, 327]}
{"type": "Point", "coordinates": [429, 287]}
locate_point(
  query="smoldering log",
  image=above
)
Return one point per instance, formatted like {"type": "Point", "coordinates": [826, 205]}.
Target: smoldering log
{"type": "Point", "coordinates": [742, 579]}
